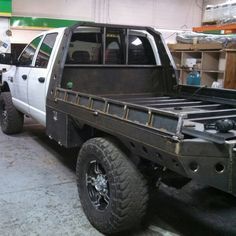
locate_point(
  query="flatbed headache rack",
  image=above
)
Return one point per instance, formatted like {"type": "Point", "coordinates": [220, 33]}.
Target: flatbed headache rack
{"type": "Point", "coordinates": [176, 116]}
{"type": "Point", "coordinates": [179, 113]}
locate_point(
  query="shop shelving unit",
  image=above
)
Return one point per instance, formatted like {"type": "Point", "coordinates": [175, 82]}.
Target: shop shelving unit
{"type": "Point", "coordinates": [215, 65]}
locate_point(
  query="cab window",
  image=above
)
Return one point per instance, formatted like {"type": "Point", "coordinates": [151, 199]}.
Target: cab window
{"type": "Point", "coordinates": [140, 51]}
{"type": "Point", "coordinates": [45, 50]}
{"type": "Point", "coordinates": [26, 57]}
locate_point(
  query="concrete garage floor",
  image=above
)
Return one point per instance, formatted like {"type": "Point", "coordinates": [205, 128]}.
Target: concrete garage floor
{"type": "Point", "coordinates": [38, 195]}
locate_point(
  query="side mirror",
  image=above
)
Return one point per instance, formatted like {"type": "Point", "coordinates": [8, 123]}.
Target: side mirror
{"type": "Point", "coordinates": [7, 58]}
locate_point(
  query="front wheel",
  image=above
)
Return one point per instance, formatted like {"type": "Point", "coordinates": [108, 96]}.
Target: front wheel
{"type": "Point", "coordinates": [11, 120]}
{"type": "Point", "coordinates": [112, 191]}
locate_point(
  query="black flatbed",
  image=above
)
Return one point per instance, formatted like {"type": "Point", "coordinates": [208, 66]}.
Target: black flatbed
{"type": "Point", "coordinates": [147, 111]}
{"type": "Point", "coordinates": [191, 113]}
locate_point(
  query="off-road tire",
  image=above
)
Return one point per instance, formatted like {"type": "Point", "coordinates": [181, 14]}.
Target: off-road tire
{"type": "Point", "coordinates": [11, 120]}
{"type": "Point", "coordinates": [128, 188]}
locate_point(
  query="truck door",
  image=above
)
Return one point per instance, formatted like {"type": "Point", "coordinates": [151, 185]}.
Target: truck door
{"type": "Point", "coordinates": [23, 68]}
{"type": "Point", "coordinates": [37, 78]}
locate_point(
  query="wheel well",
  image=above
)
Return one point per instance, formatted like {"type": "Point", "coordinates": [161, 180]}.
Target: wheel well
{"type": "Point", "coordinates": [5, 87]}
{"type": "Point", "coordinates": [116, 140]}
{"type": "Point", "coordinates": [144, 165]}
{"type": "Point", "coordinates": [88, 132]}
{"type": "Point", "coordinates": [139, 160]}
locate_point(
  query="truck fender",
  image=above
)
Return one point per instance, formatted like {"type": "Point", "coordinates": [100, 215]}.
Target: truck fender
{"type": "Point", "coordinates": [5, 87]}
{"type": "Point", "coordinates": [8, 79]}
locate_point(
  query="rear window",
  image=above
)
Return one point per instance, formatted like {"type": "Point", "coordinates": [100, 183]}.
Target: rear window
{"type": "Point", "coordinates": [140, 51]}
{"type": "Point", "coordinates": [108, 46]}
{"type": "Point", "coordinates": [45, 50]}
{"type": "Point", "coordinates": [113, 51]}
{"type": "Point", "coordinates": [85, 48]}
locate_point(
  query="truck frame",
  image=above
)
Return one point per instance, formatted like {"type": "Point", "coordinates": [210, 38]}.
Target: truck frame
{"type": "Point", "coordinates": [129, 118]}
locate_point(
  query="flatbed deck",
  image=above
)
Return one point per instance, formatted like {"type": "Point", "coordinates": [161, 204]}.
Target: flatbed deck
{"type": "Point", "coordinates": [179, 116]}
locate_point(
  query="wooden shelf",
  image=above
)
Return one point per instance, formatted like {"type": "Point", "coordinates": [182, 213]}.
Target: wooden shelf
{"type": "Point", "coordinates": [178, 47]}
{"type": "Point", "coordinates": [189, 69]}
{"type": "Point", "coordinates": [213, 71]}
{"type": "Point", "coordinates": [217, 65]}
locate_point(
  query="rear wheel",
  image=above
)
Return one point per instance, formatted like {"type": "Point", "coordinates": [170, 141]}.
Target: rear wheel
{"type": "Point", "coordinates": [11, 120]}
{"type": "Point", "coordinates": [112, 191]}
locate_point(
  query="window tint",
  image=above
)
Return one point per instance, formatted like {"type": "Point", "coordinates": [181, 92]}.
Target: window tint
{"type": "Point", "coordinates": [113, 52]}
{"type": "Point", "coordinates": [85, 48]}
{"type": "Point", "coordinates": [45, 50]}
{"type": "Point", "coordinates": [140, 51]}
{"type": "Point", "coordinates": [27, 55]}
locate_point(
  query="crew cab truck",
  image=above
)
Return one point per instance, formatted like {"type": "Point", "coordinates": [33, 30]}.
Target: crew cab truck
{"type": "Point", "coordinates": [113, 91]}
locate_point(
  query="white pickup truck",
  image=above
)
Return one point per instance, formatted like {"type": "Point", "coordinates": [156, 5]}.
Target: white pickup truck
{"type": "Point", "coordinates": [112, 90]}
{"type": "Point", "coordinates": [28, 80]}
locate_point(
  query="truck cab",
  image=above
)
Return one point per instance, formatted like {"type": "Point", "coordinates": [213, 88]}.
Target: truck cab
{"type": "Point", "coordinates": [28, 78]}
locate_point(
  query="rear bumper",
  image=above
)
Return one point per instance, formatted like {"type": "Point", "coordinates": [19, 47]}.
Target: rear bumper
{"type": "Point", "coordinates": [210, 164]}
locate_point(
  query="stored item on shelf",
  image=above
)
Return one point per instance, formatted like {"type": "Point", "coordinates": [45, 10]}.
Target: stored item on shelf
{"type": "Point", "coordinates": [195, 40]}
{"type": "Point", "coordinates": [222, 63]}
{"type": "Point", "coordinates": [216, 84]}
{"type": "Point", "coordinates": [221, 82]}
{"type": "Point", "coordinates": [220, 13]}
{"type": "Point", "coordinates": [188, 37]}
{"type": "Point", "coordinates": [229, 15]}
{"type": "Point", "coordinates": [217, 12]}
{"type": "Point", "coordinates": [208, 14]}
{"type": "Point", "coordinates": [233, 11]}
{"type": "Point", "coordinates": [225, 12]}
{"type": "Point", "coordinates": [199, 64]}
{"type": "Point", "coordinates": [190, 62]}
{"type": "Point", "coordinates": [194, 78]}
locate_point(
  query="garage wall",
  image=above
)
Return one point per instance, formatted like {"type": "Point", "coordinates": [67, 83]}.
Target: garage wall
{"type": "Point", "coordinates": [67, 9]}
{"type": "Point", "coordinates": [169, 15]}
{"type": "Point", "coordinates": [23, 36]}
{"type": "Point", "coordinates": [162, 13]}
